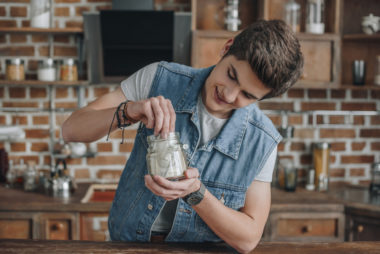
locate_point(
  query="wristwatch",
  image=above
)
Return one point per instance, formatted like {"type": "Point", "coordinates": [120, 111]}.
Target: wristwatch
{"type": "Point", "coordinates": [195, 197]}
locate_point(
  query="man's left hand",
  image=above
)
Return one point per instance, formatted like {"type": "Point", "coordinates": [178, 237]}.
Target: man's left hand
{"type": "Point", "coordinates": [171, 190]}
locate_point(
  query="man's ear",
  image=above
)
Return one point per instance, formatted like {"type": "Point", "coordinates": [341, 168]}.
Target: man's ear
{"type": "Point", "coordinates": [226, 47]}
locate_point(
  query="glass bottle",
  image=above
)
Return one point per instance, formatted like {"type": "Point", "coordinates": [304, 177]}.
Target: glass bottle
{"type": "Point", "coordinates": [30, 177]}
{"type": "Point", "coordinates": [165, 157]}
{"type": "Point", "coordinates": [375, 178]}
{"type": "Point", "coordinates": [321, 158]}
{"type": "Point", "coordinates": [377, 71]}
{"type": "Point", "coordinates": [20, 173]}
{"type": "Point", "coordinates": [292, 15]}
{"type": "Point", "coordinates": [315, 16]}
{"type": "Point", "coordinates": [15, 69]}
{"type": "Point", "coordinates": [11, 175]}
{"type": "Point", "coordinates": [40, 13]}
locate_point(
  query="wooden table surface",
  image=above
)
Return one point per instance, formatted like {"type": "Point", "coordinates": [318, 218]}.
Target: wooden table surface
{"type": "Point", "coordinates": [49, 246]}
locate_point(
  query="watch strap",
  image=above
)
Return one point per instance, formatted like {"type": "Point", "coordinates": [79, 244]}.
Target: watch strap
{"type": "Point", "coordinates": [195, 197]}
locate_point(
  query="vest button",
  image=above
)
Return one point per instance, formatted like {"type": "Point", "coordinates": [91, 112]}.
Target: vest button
{"type": "Point", "coordinates": [140, 232]}
{"type": "Point", "coordinates": [150, 207]}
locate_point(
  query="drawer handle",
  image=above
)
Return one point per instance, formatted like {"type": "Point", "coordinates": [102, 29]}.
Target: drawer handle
{"type": "Point", "coordinates": [307, 228]}
{"type": "Point", "coordinates": [56, 227]}
{"type": "Point", "coordinates": [360, 228]}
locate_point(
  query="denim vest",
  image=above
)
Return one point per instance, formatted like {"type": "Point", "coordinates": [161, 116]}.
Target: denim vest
{"type": "Point", "coordinates": [227, 164]}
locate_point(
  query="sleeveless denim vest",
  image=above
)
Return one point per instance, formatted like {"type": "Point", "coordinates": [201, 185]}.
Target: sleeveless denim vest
{"type": "Point", "coordinates": [227, 164]}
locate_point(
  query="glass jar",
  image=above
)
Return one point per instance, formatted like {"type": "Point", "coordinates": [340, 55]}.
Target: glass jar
{"type": "Point", "coordinates": [30, 177]}
{"type": "Point", "coordinates": [232, 19]}
{"type": "Point", "coordinates": [286, 174]}
{"type": "Point", "coordinates": [69, 70]}
{"type": "Point", "coordinates": [321, 159]}
{"type": "Point", "coordinates": [40, 13]}
{"type": "Point", "coordinates": [292, 15]}
{"type": "Point", "coordinates": [46, 70]}
{"type": "Point", "coordinates": [165, 157]}
{"type": "Point", "coordinates": [375, 178]}
{"type": "Point", "coordinates": [15, 69]}
{"type": "Point", "coordinates": [377, 71]}
{"type": "Point", "coordinates": [315, 16]}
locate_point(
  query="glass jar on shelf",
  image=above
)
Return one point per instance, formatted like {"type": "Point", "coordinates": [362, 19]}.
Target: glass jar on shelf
{"type": "Point", "coordinates": [47, 70]}
{"type": "Point", "coordinates": [321, 159]}
{"type": "Point", "coordinates": [377, 71]}
{"type": "Point", "coordinates": [15, 69]}
{"type": "Point", "coordinates": [292, 15]}
{"type": "Point", "coordinates": [30, 177]}
{"type": "Point", "coordinates": [68, 70]}
{"type": "Point", "coordinates": [40, 13]}
{"type": "Point", "coordinates": [315, 16]}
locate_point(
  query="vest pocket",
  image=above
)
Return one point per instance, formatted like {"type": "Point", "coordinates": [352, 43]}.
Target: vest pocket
{"type": "Point", "coordinates": [230, 198]}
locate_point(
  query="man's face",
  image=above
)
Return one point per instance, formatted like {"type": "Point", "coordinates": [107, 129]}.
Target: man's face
{"type": "Point", "coordinates": [231, 85]}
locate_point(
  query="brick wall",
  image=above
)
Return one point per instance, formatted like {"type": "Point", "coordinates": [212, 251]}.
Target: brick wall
{"type": "Point", "coordinates": [355, 140]}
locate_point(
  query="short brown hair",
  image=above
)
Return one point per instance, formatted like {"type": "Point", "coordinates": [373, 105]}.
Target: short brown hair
{"type": "Point", "coordinates": [274, 53]}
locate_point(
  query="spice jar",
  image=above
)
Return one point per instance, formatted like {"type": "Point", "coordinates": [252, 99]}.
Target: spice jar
{"type": "Point", "coordinates": [292, 15]}
{"type": "Point", "coordinates": [46, 70]}
{"type": "Point", "coordinates": [321, 157]}
{"type": "Point", "coordinates": [15, 69]}
{"type": "Point", "coordinates": [69, 70]}
{"type": "Point", "coordinates": [165, 157]}
{"type": "Point", "coordinates": [315, 16]}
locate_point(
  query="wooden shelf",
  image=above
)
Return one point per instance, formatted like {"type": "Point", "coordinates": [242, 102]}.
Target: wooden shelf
{"type": "Point", "coordinates": [318, 85]}
{"type": "Point", "coordinates": [318, 37]}
{"type": "Point", "coordinates": [45, 83]}
{"type": "Point", "coordinates": [361, 37]}
{"type": "Point", "coordinates": [73, 30]}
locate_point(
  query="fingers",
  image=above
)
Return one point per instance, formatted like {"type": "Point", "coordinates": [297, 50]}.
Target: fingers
{"type": "Point", "coordinates": [191, 173]}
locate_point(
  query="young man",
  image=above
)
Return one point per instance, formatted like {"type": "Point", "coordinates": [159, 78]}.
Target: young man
{"type": "Point", "coordinates": [232, 145]}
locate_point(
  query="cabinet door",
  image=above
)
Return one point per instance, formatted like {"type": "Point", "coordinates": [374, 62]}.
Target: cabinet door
{"type": "Point", "coordinates": [306, 227]}
{"type": "Point", "coordinates": [362, 228]}
{"type": "Point", "coordinates": [94, 226]}
{"type": "Point", "coordinates": [59, 226]}
{"type": "Point", "coordinates": [18, 225]}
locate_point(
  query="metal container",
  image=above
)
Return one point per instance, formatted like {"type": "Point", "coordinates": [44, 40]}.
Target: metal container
{"type": "Point", "coordinates": [165, 157]}
{"type": "Point", "coordinates": [375, 178]}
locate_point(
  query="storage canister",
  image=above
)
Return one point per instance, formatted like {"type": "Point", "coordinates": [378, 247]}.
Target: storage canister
{"type": "Point", "coordinates": [15, 69]}
{"type": "Point", "coordinates": [321, 158]}
{"type": "Point", "coordinates": [165, 156]}
{"type": "Point", "coordinates": [46, 70]}
{"type": "Point", "coordinates": [69, 70]}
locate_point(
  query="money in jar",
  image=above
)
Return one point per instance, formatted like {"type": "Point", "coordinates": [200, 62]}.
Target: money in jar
{"type": "Point", "coordinates": [165, 156]}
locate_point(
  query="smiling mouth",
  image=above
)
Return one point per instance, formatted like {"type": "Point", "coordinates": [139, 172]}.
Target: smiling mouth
{"type": "Point", "coordinates": [218, 98]}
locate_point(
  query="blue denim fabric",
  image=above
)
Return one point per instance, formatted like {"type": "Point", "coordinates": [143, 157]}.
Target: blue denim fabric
{"type": "Point", "coordinates": [227, 164]}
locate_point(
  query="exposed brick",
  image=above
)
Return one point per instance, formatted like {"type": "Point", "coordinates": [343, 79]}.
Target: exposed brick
{"type": "Point", "coordinates": [18, 11]}
{"type": "Point", "coordinates": [66, 104]}
{"type": "Point", "coordinates": [337, 172]}
{"type": "Point", "coordinates": [370, 133]}
{"type": "Point", "coordinates": [107, 160]}
{"type": "Point", "coordinates": [38, 92]}
{"type": "Point", "coordinates": [307, 106]}
{"type": "Point", "coordinates": [43, 51]}
{"type": "Point", "coordinates": [375, 146]}
{"type": "Point", "coordinates": [82, 173]}
{"type": "Point", "coordinates": [19, 120]}
{"type": "Point", "coordinates": [40, 147]}
{"type": "Point", "coordinates": [296, 93]}
{"type": "Point", "coordinates": [13, 104]}
{"type": "Point", "coordinates": [297, 146]}
{"type": "Point", "coordinates": [317, 93]}
{"type": "Point", "coordinates": [319, 119]}
{"type": "Point", "coordinates": [358, 106]}
{"type": "Point", "coordinates": [99, 1]}
{"type": "Point", "coordinates": [25, 23]}
{"type": "Point", "coordinates": [108, 174]}
{"type": "Point", "coordinates": [76, 93]}
{"type": "Point", "coordinates": [1, 92]}
{"type": "Point", "coordinates": [15, 1]}
{"type": "Point", "coordinates": [357, 172]}
{"type": "Point", "coordinates": [281, 147]}
{"type": "Point", "coordinates": [62, 11]}
{"type": "Point", "coordinates": [276, 105]}
{"type": "Point", "coordinates": [357, 146]}
{"type": "Point", "coordinates": [306, 159]}
{"type": "Point", "coordinates": [2, 38]}
{"type": "Point", "coordinates": [62, 38]}
{"type": "Point", "coordinates": [276, 120]}
{"type": "Point", "coordinates": [126, 147]}
{"type": "Point", "coordinates": [40, 38]}
{"type": "Point", "coordinates": [375, 120]}
{"type": "Point", "coordinates": [18, 38]}
{"type": "Point", "coordinates": [26, 158]}
{"type": "Point", "coordinates": [104, 147]}
{"type": "Point", "coordinates": [33, 65]}
{"type": "Point", "coordinates": [65, 51]}
{"type": "Point", "coordinates": [2, 11]}
{"type": "Point", "coordinates": [71, 24]}
{"type": "Point", "coordinates": [17, 51]}
{"type": "Point", "coordinates": [17, 92]}
{"type": "Point", "coordinates": [304, 133]}
{"type": "Point", "coordinates": [337, 133]}
{"type": "Point", "coordinates": [61, 92]}
{"type": "Point", "coordinates": [359, 94]}
{"type": "Point", "coordinates": [338, 94]}
{"type": "Point", "coordinates": [99, 91]}
{"type": "Point", "coordinates": [36, 133]}
{"type": "Point", "coordinates": [18, 147]}
{"type": "Point", "coordinates": [67, 1]}
{"type": "Point", "coordinates": [358, 120]}
{"type": "Point", "coordinates": [358, 159]}
{"type": "Point", "coordinates": [336, 119]}
{"type": "Point", "coordinates": [338, 146]}
{"type": "Point", "coordinates": [295, 120]}
{"type": "Point", "coordinates": [80, 9]}
{"type": "Point", "coordinates": [8, 23]}
{"type": "Point", "coordinates": [128, 134]}
{"type": "Point", "coordinates": [2, 120]}
{"type": "Point", "coordinates": [375, 94]}
{"type": "Point", "coordinates": [40, 120]}
{"type": "Point", "coordinates": [103, 7]}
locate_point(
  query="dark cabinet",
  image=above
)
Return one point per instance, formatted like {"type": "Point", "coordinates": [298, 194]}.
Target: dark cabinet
{"type": "Point", "coordinates": [362, 227]}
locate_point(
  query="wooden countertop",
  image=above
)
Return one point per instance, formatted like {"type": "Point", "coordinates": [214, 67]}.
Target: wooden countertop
{"type": "Point", "coordinates": [49, 246]}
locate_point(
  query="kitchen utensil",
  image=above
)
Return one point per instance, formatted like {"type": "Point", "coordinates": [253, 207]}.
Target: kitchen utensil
{"type": "Point", "coordinates": [60, 183]}
{"type": "Point", "coordinates": [358, 72]}
{"type": "Point", "coordinates": [78, 149]}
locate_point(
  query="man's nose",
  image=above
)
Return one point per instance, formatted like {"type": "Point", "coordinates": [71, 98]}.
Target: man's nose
{"type": "Point", "coordinates": [231, 94]}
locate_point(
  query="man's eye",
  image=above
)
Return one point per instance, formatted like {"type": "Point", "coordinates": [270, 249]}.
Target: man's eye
{"type": "Point", "coordinates": [230, 75]}
{"type": "Point", "coordinates": [248, 96]}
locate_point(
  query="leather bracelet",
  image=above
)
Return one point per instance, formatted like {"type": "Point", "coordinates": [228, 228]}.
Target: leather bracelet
{"type": "Point", "coordinates": [195, 197]}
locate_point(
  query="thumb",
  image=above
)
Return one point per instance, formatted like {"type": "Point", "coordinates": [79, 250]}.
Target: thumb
{"type": "Point", "coordinates": [191, 173]}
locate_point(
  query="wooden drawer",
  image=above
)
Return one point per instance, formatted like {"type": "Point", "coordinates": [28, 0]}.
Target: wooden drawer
{"type": "Point", "coordinates": [305, 227]}
{"type": "Point", "coordinates": [17, 225]}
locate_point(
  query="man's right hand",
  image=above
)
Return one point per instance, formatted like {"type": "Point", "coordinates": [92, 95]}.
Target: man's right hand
{"type": "Point", "coordinates": [154, 112]}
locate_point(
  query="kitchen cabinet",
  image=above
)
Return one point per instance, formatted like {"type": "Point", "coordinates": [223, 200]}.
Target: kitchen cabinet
{"type": "Point", "coordinates": [362, 225]}
{"type": "Point", "coordinates": [18, 225]}
{"type": "Point", "coordinates": [94, 226]}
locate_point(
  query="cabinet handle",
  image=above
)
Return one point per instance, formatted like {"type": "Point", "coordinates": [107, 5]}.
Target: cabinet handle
{"type": "Point", "coordinates": [360, 228]}
{"type": "Point", "coordinates": [56, 227]}
{"type": "Point", "coordinates": [307, 228]}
